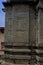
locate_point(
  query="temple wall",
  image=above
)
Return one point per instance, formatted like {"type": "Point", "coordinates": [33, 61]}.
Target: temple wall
{"type": "Point", "coordinates": [33, 25]}
{"type": "Point", "coordinates": [23, 26]}
{"type": "Point", "coordinates": [18, 21]}
{"type": "Point", "coordinates": [17, 24]}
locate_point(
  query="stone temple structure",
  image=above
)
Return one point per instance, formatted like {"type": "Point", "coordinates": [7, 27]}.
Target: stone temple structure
{"type": "Point", "coordinates": [23, 32]}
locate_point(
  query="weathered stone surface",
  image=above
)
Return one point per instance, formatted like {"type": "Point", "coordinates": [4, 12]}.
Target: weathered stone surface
{"type": "Point", "coordinates": [23, 26]}
{"type": "Point", "coordinates": [40, 26]}
{"type": "Point", "coordinates": [17, 24]}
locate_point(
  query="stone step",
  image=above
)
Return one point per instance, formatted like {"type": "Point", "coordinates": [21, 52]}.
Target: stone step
{"type": "Point", "coordinates": [14, 64]}
{"type": "Point", "coordinates": [21, 44]}
{"type": "Point", "coordinates": [16, 50]}
{"type": "Point", "coordinates": [15, 43]}
{"type": "Point", "coordinates": [17, 56]}
{"type": "Point", "coordinates": [39, 51]}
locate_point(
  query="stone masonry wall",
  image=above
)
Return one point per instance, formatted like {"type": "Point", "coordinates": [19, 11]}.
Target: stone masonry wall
{"type": "Point", "coordinates": [17, 24]}
{"type": "Point", "coordinates": [32, 25]}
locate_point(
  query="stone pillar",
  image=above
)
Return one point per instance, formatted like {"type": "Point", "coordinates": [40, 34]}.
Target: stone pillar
{"type": "Point", "coordinates": [40, 23]}
{"type": "Point", "coordinates": [40, 30]}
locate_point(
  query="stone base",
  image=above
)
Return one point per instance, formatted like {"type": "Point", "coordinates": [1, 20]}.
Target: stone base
{"type": "Point", "coordinates": [5, 63]}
